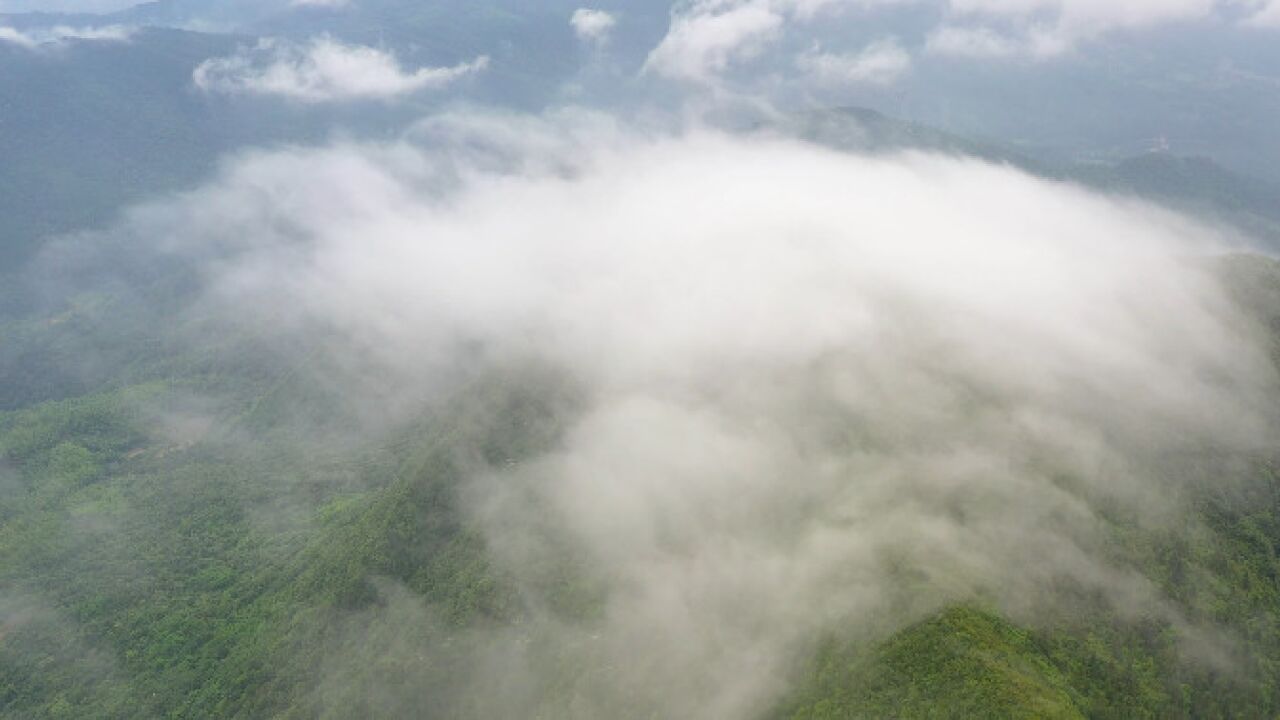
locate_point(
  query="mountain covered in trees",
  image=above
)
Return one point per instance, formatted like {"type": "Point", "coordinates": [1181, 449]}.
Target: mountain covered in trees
{"type": "Point", "coordinates": [502, 360]}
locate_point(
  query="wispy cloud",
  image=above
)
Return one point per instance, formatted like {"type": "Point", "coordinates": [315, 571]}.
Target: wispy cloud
{"type": "Point", "coordinates": [323, 70]}
{"type": "Point", "coordinates": [593, 26]}
{"type": "Point", "coordinates": [1048, 28]}
{"type": "Point", "coordinates": [64, 6]}
{"type": "Point", "coordinates": [35, 37]}
{"type": "Point", "coordinates": [704, 41]}
{"type": "Point", "coordinates": [972, 42]}
{"type": "Point", "coordinates": [1267, 15]}
{"type": "Point", "coordinates": [706, 38]}
{"type": "Point", "coordinates": [880, 63]}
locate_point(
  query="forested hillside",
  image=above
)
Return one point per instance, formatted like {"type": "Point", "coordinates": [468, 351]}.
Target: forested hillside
{"type": "Point", "coordinates": [164, 557]}
{"type": "Point", "coordinates": [713, 359]}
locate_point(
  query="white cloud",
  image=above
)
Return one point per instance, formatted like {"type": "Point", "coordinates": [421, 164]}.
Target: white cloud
{"type": "Point", "coordinates": [880, 63]}
{"type": "Point", "coordinates": [322, 70]}
{"type": "Point", "coordinates": [818, 391]}
{"type": "Point", "coordinates": [1046, 28]}
{"type": "Point", "coordinates": [806, 10]}
{"type": "Point", "coordinates": [10, 35]}
{"type": "Point", "coordinates": [1268, 15]}
{"type": "Point", "coordinates": [1085, 13]}
{"type": "Point", "coordinates": [35, 37]}
{"type": "Point", "coordinates": [706, 37]}
{"type": "Point", "coordinates": [593, 25]}
{"type": "Point", "coordinates": [972, 42]}
{"type": "Point", "coordinates": [1050, 27]}
{"type": "Point", "coordinates": [704, 41]}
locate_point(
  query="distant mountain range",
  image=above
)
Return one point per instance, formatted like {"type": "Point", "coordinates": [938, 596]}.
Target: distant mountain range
{"type": "Point", "coordinates": [96, 126]}
{"type": "Point", "coordinates": [1196, 185]}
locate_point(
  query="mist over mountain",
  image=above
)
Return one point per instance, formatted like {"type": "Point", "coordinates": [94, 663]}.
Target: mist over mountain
{"type": "Point", "coordinates": [717, 359]}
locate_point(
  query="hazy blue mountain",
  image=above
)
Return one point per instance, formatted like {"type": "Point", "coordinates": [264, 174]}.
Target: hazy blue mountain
{"type": "Point", "coordinates": [860, 129]}
{"type": "Point", "coordinates": [1199, 186]}
{"type": "Point", "coordinates": [1196, 185]}
{"type": "Point", "coordinates": [91, 127]}
{"type": "Point", "coordinates": [97, 125]}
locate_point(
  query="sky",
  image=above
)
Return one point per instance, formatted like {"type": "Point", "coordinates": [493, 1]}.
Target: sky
{"type": "Point", "coordinates": [1079, 79]}
{"type": "Point", "coordinates": [89, 6]}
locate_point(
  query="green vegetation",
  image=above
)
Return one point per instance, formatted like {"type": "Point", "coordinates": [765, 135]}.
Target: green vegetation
{"type": "Point", "coordinates": [191, 528]}
{"type": "Point", "coordinates": [962, 663]}
{"type": "Point", "coordinates": [152, 573]}
{"type": "Point", "coordinates": [138, 582]}
{"type": "Point", "coordinates": [135, 576]}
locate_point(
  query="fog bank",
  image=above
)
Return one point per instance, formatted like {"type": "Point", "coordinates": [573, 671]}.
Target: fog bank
{"type": "Point", "coordinates": [824, 392]}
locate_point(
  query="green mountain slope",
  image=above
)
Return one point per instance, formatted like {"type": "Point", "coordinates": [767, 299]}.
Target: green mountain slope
{"type": "Point", "coordinates": [135, 584]}
{"type": "Point", "coordinates": [192, 526]}
{"type": "Point", "coordinates": [962, 663]}
{"type": "Point", "coordinates": [192, 574]}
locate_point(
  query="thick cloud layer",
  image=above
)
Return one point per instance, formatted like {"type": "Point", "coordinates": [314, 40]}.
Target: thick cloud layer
{"type": "Point", "coordinates": [824, 393]}
{"type": "Point", "coordinates": [1267, 15]}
